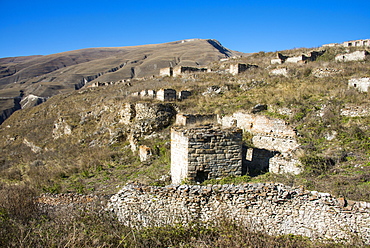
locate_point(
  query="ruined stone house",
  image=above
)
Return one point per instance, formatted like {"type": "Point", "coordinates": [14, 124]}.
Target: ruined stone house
{"type": "Point", "coordinates": [168, 71]}
{"type": "Point", "coordinates": [303, 58]}
{"type": "Point", "coordinates": [355, 56]}
{"type": "Point", "coordinates": [361, 84]}
{"type": "Point", "coordinates": [239, 68]}
{"type": "Point", "coordinates": [166, 95]}
{"type": "Point", "coordinates": [205, 152]}
{"type": "Point", "coordinates": [179, 70]}
{"type": "Point", "coordinates": [275, 142]}
{"type": "Point", "coordinates": [184, 94]}
{"type": "Point", "coordinates": [280, 59]}
{"type": "Point", "coordinates": [357, 43]}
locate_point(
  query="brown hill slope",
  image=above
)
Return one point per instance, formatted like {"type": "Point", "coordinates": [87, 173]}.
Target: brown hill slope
{"type": "Point", "coordinates": [53, 74]}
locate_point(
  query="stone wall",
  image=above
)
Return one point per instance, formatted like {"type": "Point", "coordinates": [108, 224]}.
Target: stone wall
{"type": "Point", "coordinates": [355, 56]}
{"type": "Point", "coordinates": [178, 70]}
{"type": "Point", "coordinates": [239, 68]}
{"type": "Point", "coordinates": [356, 43]}
{"type": "Point", "coordinates": [271, 208]}
{"type": "Point", "coordinates": [270, 134]}
{"type": "Point", "coordinates": [168, 71]}
{"type": "Point", "coordinates": [361, 84]}
{"type": "Point", "coordinates": [166, 95]}
{"type": "Point", "coordinates": [205, 152]}
{"type": "Point", "coordinates": [188, 119]}
{"type": "Point", "coordinates": [279, 72]}
{"type": "Point", "coordinates": [311, 56]}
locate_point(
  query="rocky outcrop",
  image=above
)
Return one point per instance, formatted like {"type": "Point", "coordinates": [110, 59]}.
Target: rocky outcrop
{"type": "Point", "coordinates": [31, 101]}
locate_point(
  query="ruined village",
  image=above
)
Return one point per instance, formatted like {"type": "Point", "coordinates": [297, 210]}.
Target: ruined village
{"type": "Point", "coordinates": [183, 149]}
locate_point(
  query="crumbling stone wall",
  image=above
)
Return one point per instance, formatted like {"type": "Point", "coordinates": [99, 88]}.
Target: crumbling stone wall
{"type": "Point", "coordinates": [279, 72]}
{"type": "Point", "coordinates": [178, 70]}
{"type": "Point", "coordinates": [275, 209]}
{"type": "Point", "coordinates": [311, 56]}
{"type": "Point", "coordinates": [188, 119]}
{"type": "Point", "coordinates": [205, 152]}
{"type": "Point", "coordinates": [356, 43]}
{"type": "Point", "coordinates": [361, 84]}
{"type": "Point", "coordinates": [166, 95]}
{"type": "Point", "coordinates": [355, 56]}
{"type": "Point", "coordinates": [168, 71]}
{"type": "Point", "coordinates": [239, 68]}
{"type": "Point", "coordinates": [270, 134]}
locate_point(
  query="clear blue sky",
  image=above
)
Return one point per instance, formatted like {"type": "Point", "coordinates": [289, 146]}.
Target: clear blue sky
{"type": "Point", "coordinates": [45, 27]}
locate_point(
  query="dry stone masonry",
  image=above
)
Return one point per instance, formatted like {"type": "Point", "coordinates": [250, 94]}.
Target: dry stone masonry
{"type": "Point", "coordinates": [352, 43]}
{"type": "Point", "coordinates": [239, 68]}
{"type": "Point", "coordinates": [361, 84]}
{"type": "Point", "coordinates": [274, 140]}
{"type": "Point", "coordinates": [355, 56]}
{"type": "Point", "coordinates": [188, 119]}
{"type": "Point", "coordinates": [303, 58]}
{"type": "Point", "coordinates": [163, 94]}
{"type": "Point", "coordinates": [179, 70]}
{"type": "Point", "coordinates": [271, 208]}
{"type": "Point", "coordinates": [205, 152]}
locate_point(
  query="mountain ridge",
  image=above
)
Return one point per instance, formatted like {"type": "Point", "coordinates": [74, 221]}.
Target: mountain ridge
{"type": "Point", "coordinates": [48, 75]}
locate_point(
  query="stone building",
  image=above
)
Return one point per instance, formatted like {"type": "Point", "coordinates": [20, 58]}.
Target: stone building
{"type": "Point", "coordinates": [239, 68]}
{"type": "Point", "coordinates": [357, 43]}
{"type": "Point", "coordinates": [179, 70]}
{"type": "Point", "coordinates": [355, 56]}
{"type": "Point", "coordinates": [184, 94]}
{"type": "Point", "coordinates": [274, 142]}
{"type": "Point", "coordinates": [168, 71]}
{"type": "Point", "coordinates": [166, 95]}
{"type": "Point", "coordinates": [361, 84]}
{"type": "Point", "coordinates": [303, 58]}
{"type": "Point", "coordinates": [280, 59]}
{"type": "Point", "coordinates": [205, 152]}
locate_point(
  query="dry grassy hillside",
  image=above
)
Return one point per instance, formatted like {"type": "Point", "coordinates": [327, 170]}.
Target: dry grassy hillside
{"type": "Point", "coordinates": [45, 76]}
{"type": "Point", "coordinates": [96, 156]}
{"type": "Point", "coordinates": [80, 142]}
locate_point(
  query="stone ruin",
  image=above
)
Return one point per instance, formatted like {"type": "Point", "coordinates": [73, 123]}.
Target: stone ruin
{"type": "Point", "coordinates": [179, 70]}
{"type": "Point", "coordinates": [163, 94]}
{"type": "Point", "coordinates": [166, 95]}
{"type": "Point", "coordinates": [352, 43]}
{"type": "Point", "coordinates": [275, 143]}
{"type": "Point", "coordinates": [361, 84]}
{"type": "Point", "coordinates": [355, 56]}
{"type": "Point", "coordinates": [270, 208]}
{"type": "Point", "coordinates": [188, 119]}
{"type": "Point", "coordinates": [279, 72]}
{"type": "Point", "coordinates": [304, 58]}
{"type": "Point", "coordinates": [196, 150]}
{"type": "Point", "coordinates": [239, 68]}
{"type": "Point", "coordinates": [205, 152]}
{"type": "Point", "coordinates": [168, 71]}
